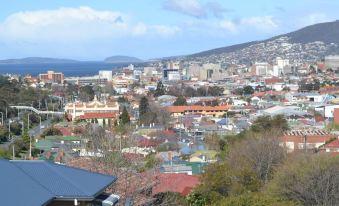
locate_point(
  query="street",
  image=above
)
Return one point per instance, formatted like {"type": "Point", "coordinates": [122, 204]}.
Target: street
{"type": "Point", "coordinates": [35, 131]}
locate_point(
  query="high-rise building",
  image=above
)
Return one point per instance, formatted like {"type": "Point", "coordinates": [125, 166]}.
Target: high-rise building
{"type": "Point", "coordinates": [52, 77]}
{"type": "Point", "coordinates": [106, 74]}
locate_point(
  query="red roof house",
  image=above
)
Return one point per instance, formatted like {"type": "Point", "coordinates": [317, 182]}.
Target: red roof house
{"type": "Point", "coordinates": [181, 183]}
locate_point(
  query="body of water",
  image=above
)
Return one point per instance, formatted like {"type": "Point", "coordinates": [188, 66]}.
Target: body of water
{"type": "Point", "coordinates": [69, 69]}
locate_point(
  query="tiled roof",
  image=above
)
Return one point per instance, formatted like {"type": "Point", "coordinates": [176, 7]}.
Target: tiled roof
{"type": "Point", "coordinates": [179, 109]}
{"type": "Point", "coordinates": [38, 182]}
{"type": "Point", "coordinates": [333, 144]}
{"type": "Point", "coordinates": [98, 115]}
{"type": "Point", "coordinates": [66, 131]}
{"type": "Point", "coordinates": [181, 183]}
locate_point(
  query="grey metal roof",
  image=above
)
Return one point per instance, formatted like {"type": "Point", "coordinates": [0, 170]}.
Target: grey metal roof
{"type": "Point", "coordinates": [37, 182]}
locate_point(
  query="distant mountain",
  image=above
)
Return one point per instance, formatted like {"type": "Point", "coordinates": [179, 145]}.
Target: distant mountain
{"type": "Point", "coordinates": [122, 59]}
{"type": "Point", "coordinates": [311, 43]}
{"type": "Point", "coordinates": [37, 60]}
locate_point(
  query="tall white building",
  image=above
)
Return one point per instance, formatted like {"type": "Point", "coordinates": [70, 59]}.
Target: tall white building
{"type": "Point", "coordinates": [106, 74]}
{"type": "Point", "coordinates": [281, 63]}
{"type": "Point", "coordinates": [261, 68]}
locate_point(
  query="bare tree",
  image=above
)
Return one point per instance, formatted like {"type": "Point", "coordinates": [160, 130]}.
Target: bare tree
{"type": "Point", "coordinates": [310, 179]}
{"type": "Point", "coordinates": [261, 151]}
{"type": "Point", "coordinates": [132, 185]}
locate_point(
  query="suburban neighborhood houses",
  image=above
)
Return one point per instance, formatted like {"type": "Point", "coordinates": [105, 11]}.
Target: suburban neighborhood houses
{"type": "Point", "coordinates": [142, 131]}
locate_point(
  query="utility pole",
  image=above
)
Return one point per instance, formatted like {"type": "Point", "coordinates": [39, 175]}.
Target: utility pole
{"type": "Point", "coordinates": [28, 122]}
{"type": "Point", "coordinates": [9, 129]}
{"type": "Point", "coordinates": [40, 124]}
{"type": "Point", "coordinates": [30, 146]}
{"type": "Point", "coordinates": [13, 153]}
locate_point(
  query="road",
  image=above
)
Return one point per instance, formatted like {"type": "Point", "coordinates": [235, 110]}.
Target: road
{"type": "Point", "coordinates": [35, 131]}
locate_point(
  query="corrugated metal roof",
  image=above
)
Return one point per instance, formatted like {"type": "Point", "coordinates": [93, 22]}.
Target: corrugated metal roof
{"type": "Point", "coordinates": [19, 189]}
{"type": "Point", "coordinates": [42, 181]}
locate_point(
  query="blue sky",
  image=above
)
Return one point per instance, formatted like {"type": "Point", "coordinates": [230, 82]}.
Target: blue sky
{"type": "Point", "coordinates": [95, 29]}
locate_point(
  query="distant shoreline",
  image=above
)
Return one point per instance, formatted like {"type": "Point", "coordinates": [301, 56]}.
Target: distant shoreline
{"type": "Point", "coordinates": [73, 69]}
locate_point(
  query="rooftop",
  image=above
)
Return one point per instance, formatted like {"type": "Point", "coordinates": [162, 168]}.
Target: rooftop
{"type": "Point", "coordinates": [39, 182]}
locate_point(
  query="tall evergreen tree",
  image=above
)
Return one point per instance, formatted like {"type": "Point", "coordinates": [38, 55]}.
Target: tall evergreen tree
{"type": "Point", "coordinates": [143, 106]}
{"type": "Point", "coordinates": [124, 119]}
{"type": "Point", "coordinates": [180, 101]}
{"type": "Point", "coordinates": [160, 90]}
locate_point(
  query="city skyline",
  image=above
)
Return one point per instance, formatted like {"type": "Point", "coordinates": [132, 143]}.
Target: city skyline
{"type": "Point", "coordinates": [88, 30]}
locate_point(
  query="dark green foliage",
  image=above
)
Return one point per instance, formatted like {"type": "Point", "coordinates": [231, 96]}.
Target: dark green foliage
{"type": "Point", "coordinates": [122, 99]}
{"type": "Point", "coordinates": [248, 90]}
{"type": "Point", "coordinates": [16, 128]}
{"type": "Point", "coordinates": [264, 123]}
{"type": "Point", "coordinates": [215, 91]}
{"type": "Point", "coordinates": [160, 90]}
{"type": "Point", "coordinates": [124, 118]}
{"type": "Point", "coordinates": [169, 199]}
{"type": "Point", "coordinates": [146, 116]}
{"type": "Point", "coordinates": [14, 92]}
{"type": "Point", "coordinates": [4, 154]}
{"type": "Point", "coordinates": [180, 101]}
{"type": "Point", "coordinates": [307, 87]}
{"type": "Point", "coordinates": [151, 161]}
{"type": "Point", "coordinates": [86, 93]}
{"type": "Point", "coordinates": [3, 134]}
{"type": "Point", "coordinates": [143, 106]}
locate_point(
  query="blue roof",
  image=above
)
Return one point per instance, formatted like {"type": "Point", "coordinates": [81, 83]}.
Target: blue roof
{"type": "Point", "coordinates": [38, 182]}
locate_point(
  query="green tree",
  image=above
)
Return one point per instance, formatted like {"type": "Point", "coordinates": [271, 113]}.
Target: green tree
{"type": "Point", "coordinates": [143, 106]}
{"type": "Point", "coordinates": [160, 90]}
{"type": "Point", "coordinates": [169, 198]}
{"type": "Point", "coordinates": [215, 91]}
{"type": "Point", "coordinates": [124, 118]}
{"type": "Point", "coordinates": [146, 116]}
{"type": "Point", "coordinates": [86, 93]}
{"type": "Point", "coordinates": [4, 154]}
{"type": "Point", "coordinates": [180, 101]}
{"type": "Point", "coordinates": [3, 134]}
{"type": "Point", "coordinates": [264, 123]}
{"type": "Point", "coordinates": [248, 90]}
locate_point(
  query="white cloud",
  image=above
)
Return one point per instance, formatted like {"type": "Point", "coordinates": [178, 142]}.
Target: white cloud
{"type": "Point", "coordinates": [264, 23]}
{"type": "Point", "coordinates": [227, 25]}
{"type": "Point", "coordinates": [140, 29]}
{"type": "Point", "coordinates": [194, 8]}
{"type": "Point", "coordinates": [72, 25]}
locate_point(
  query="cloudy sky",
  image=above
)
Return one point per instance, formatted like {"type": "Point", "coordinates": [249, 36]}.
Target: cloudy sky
{"type": "Point", "coordinates": [95, 29]}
